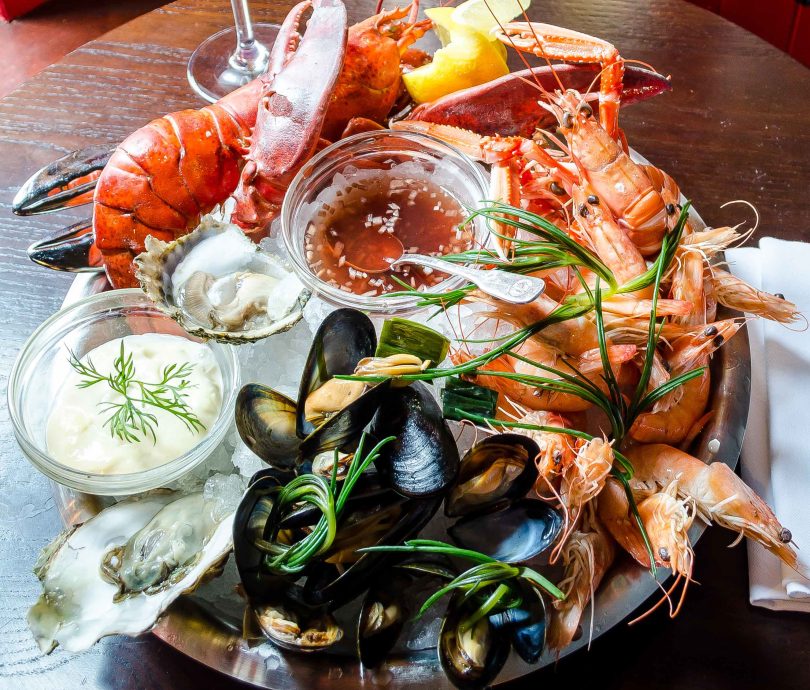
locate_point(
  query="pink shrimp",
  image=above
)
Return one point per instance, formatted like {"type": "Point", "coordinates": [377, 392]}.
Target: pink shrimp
{"type": "Point", "coordinates": [675, 421]}
{"type": "Point", "coordinates": [587, 555]}
{"type": "Point", "coordinates": [719, 495]}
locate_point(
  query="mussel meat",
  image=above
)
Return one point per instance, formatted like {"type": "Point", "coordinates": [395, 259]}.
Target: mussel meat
{"type": "Point", "coordinates": [499, 468]}
{"type": "Point", "coordinates": [389, 608]}
{"type": "Point", "coordinates": [393, 520]}
{"type": "Point", "coordinates": [515, 534]}
{"type": "Point", "coordinates": [343, 429]}
{"type": "Point", "coordinates": [344, 338]}
{"type": "Point", "coordinates": [470, 653]}
{"type": "Point", "coordinates": [423, 459]}
{"type": "Point", "coordinates": [383, 615]}
{"type": "Point", "coordinates": [297, 629]}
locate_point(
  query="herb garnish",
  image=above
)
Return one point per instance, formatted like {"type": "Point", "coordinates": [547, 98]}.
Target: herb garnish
{"type": "Point", "coordinates": [129, 420]}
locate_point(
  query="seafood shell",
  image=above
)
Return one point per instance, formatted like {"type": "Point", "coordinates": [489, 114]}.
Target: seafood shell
{"type": "Point", "coordinates": [216, 283]}
{"type": "Point", "coordinates": [165, 543]}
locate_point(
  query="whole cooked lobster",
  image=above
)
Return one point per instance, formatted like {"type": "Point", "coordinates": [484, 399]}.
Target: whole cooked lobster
{"type": "Point", "coordinates": [251, 143]}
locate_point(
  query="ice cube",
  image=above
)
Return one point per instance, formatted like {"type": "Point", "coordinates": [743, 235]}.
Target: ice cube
{"type": "Point", "coordinates": [246, 462]}
{"type": "Point", "coordinates": [226, 490]}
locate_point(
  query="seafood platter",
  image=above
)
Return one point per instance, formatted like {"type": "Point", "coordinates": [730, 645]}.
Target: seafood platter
{"type": "Point", "coordinates": [387, 368]}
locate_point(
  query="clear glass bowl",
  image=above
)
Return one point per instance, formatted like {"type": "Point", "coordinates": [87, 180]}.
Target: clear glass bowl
{"type": "Point", "coordinates": [43, 363]}
{"type": "Point", "coordinates": [461, 177]}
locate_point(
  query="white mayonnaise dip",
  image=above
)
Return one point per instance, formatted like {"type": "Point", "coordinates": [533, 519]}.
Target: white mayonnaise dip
{"type": "Point", "coordinates": [76, 435]}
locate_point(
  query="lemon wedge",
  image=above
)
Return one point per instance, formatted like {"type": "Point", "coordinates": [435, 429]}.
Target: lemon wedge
{"type": "Point", "coordinates": [486, 16]}
{"type": "Point", "coordinates": [467, 59]}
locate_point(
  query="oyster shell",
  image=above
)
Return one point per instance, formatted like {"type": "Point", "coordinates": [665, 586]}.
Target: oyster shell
{"type": "Point", "coordinates": [120, 570]}
{"type": "Point", "coordinates": [216, 283]}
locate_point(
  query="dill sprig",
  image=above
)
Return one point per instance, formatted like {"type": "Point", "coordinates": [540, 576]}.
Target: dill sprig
{"type": "Point", "coordinates": [129, 419]}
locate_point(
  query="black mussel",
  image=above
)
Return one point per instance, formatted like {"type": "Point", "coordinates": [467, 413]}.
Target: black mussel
{"type": "Point", "coordinates": [383, 615]}
{"type": "Point", "coordinates": [266, 422]}
{"type": "Point", "coordinates": [392, 603]}
{"type": "Point", "coordinates": [423, 459]}
{"type": "Point", "coordinates": [394, 520]}
{"type": "Point", "coordinates": [292, 627]}
{"type": "Point", "coordinates": [470, 653]}
{"type": "Point", "coordinates": [514, 534]}
{"type": "Point", "coordinates": [250, 528]}
{"type": "Point", "coordinates": [343, 429]}
{"type": "Point", "coordinates": [344, 338]}
{"type": "Point", "coordinates": [492, 472]}
{"type": "Point", "coordinates": [524, 625]}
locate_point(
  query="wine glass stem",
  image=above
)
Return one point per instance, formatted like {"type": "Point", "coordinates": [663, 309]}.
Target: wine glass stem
{"type": "Point", "coordinates": [248, 50]}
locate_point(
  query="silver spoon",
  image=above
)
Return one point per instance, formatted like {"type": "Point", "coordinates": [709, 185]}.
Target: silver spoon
{"type": "Point", "coordinates": [509, 287]}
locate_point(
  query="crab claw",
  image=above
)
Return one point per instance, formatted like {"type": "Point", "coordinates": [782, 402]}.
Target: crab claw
{"type": "Point", "coordinates": [509, 105]}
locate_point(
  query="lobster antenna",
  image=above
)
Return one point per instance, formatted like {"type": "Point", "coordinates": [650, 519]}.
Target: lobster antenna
{"type": "Point", "coordinates": [520, 54]}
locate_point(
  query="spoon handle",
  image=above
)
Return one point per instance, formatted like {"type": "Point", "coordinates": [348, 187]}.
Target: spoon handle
{"type": "Point", "coordinates": [509, 287]}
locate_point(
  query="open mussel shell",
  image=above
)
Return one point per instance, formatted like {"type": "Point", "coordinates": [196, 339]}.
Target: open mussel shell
{"type": "Point", "coordinates": [265, 420]}
{"type": "Point", "coordinates": [292, 628]}
{"type": "Point", "coordinates": [515, 534]}
{"type": "Point", "coordinates": [343, 429]}
{"type": "Point", "coordinates": [423, 458]}
{"type": "Point", "coordinates": [525, 625]}
{"type": "Point", "coordinates": [492, 472]}
{"type": "Point", "coordinates": [390, 606]}
{"type": "Point", "coordinates": [383, 614]}
{"type": "Point", "coordinates": [331, 585]}
{"type": "Point", "coordinates": [250, 528]}
{"type": "Point", "coordinates": [470, 658]}
{"type": "Point", "coordinates": [217, 283]}
{"type": "Point", "coordinates": [344, 338]}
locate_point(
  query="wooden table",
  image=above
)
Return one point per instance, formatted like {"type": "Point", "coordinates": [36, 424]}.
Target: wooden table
{"type": "Point", "coordinates": [735, 127]}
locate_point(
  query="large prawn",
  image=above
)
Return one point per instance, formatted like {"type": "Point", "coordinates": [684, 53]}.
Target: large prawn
{"type": "Point", "coordinates": [719, 495]}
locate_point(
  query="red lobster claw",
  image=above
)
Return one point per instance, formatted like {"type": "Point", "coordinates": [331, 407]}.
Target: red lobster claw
{"type": "Point", "coordinates": [509, 105]}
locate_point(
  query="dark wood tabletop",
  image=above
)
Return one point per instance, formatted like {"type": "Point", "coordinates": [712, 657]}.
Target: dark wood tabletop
{"type": "Point", "coordinates": [736, 126]}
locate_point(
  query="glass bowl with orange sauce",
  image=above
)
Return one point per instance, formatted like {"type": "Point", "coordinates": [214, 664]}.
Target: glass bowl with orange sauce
{"type": "Point", "coordinates": [366, 200]}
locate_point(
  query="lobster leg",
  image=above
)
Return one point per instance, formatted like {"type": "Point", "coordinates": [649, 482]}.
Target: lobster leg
{"type": "Point", "coordinates": [555, 43]}
{"type": "Point", "coordinates": [290, 116]}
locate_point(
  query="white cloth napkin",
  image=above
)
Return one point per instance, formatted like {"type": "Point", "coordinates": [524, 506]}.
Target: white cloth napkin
{"type": "Point", "coordinates": [776, 449]}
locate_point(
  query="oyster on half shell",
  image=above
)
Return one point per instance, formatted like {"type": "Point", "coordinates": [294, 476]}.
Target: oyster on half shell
{"type": "Point", "coordinates": [217, 283]}
{"type": "Point", "coordinates": [120, 570]}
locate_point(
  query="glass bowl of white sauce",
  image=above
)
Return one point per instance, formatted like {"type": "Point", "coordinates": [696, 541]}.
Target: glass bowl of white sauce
{"type": "Point", "coordinates": [67, 426]}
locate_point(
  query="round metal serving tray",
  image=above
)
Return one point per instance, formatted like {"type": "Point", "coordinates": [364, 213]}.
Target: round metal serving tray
{"type": "Point", "coordinates": [196, 629]}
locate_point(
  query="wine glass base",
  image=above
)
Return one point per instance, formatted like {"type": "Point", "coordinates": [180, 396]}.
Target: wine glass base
{"type": "Point", "coordinates": [213, 70]}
